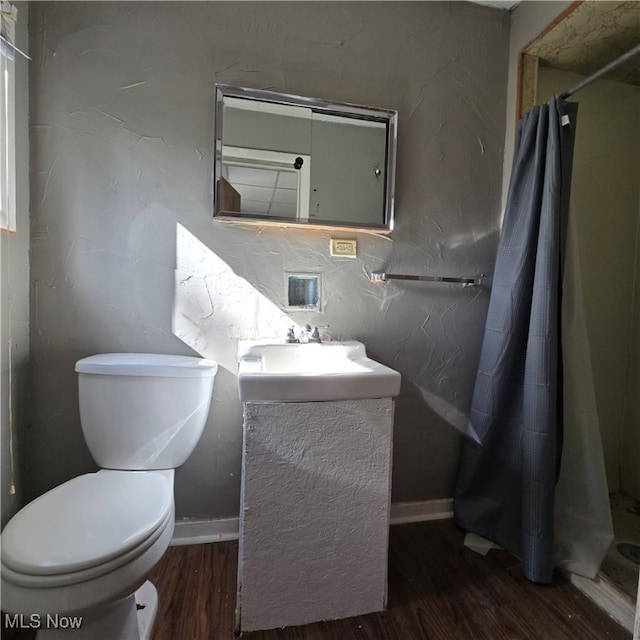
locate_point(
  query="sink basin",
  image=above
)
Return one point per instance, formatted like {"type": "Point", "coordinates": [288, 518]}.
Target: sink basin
{"type": "Point", "coordinates": [281, 372]}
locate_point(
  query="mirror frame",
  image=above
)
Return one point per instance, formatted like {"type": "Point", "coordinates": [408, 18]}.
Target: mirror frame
{"type": "Point", "coordinates": [388, 116]}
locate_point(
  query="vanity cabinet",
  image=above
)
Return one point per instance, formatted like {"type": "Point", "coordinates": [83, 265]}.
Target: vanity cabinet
{"type": "Point", "coordinates": [314, 520]}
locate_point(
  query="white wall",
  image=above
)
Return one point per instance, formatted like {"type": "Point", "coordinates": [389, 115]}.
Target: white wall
{"type": "Point", "coordinates": [604, 200]}
{"type": "Point", "coordinates": [630, 446]}
{"type": "Point", "coordinates": [126, 256]}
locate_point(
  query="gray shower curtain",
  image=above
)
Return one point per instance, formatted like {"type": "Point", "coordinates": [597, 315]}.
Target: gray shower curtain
{"type": "Point", "coordinates": [510, 457]}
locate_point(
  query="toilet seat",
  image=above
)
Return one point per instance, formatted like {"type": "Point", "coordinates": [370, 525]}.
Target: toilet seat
{"type": "Point", "coordinates": [86, 527]}
{"type": "Point", "coordinates": [90, 573]}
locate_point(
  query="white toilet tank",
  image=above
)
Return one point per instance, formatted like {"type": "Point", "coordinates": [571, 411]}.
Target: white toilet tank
{"type": "Point", "coordinates": [143, 411]}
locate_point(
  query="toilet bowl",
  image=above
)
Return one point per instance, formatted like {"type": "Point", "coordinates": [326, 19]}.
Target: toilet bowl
{"type": "Point", "coordinates": [80, 554]}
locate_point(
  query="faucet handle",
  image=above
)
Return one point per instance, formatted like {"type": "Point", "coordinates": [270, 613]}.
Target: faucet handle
{"type": "Point", "coordinates": [291, 335]}
{"type": "Point", "coordinates": [305, 334]}
{"type": "Point", "coordinates": [315, 335]}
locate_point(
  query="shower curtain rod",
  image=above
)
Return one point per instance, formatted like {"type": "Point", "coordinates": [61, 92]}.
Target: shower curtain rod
{"type": "Point", "coordinates": [601, 72]}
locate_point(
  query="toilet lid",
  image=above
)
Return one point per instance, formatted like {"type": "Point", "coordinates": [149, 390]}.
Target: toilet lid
{"type": "Point", "coordinates": [86, 521]}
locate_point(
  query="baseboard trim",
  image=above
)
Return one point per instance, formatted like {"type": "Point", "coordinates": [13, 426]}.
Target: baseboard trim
{"type": "Point", "coordinates": [421, 511]}
{"type": "Point", "coordinates": [221, 529]}
{"type": "Point", "coordinates": [607, 597]}
{"type": "Point", "coordinates": [205, 531]}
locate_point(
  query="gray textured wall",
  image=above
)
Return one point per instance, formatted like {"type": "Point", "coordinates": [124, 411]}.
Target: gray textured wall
{"type": "Point", "coordinates": [14, 301]}
{"type": "Point", "coordinates": [126, 256]}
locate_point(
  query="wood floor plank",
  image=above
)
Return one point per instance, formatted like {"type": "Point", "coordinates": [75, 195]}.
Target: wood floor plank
{"type": "Point", "coordinates": [438, 590]}
{"type": "Point", "coordinates": [197, 586]}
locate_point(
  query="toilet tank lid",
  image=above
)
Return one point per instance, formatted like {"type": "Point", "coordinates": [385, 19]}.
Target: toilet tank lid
{"type": "Point", "coordinates": [148, 364]}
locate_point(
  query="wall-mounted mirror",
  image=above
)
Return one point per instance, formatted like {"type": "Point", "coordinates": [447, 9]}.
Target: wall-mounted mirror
{"type": "Point", "coordinates": [288, 159]}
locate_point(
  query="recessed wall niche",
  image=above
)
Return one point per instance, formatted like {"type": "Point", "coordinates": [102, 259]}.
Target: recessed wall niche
{"type": "Point", "coordinates": [302, 290]}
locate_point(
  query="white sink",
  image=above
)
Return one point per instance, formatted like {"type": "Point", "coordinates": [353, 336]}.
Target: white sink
{"type": "Point", "coordinates": [281, 372]}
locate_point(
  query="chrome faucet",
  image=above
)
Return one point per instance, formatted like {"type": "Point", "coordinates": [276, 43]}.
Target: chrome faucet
{"type": "Point", "coordinates": [307, 334]}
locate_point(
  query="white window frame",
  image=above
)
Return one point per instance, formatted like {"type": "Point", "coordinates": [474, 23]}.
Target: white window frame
{"type": "Point", "coordinates": [7, 122]}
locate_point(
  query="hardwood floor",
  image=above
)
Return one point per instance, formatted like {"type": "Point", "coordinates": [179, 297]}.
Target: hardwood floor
{"type": "Point", "coordinates": [438, 590]}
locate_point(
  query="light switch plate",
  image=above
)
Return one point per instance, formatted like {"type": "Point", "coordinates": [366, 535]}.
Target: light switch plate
{"type": "Point", "coordinates": [344, 248]}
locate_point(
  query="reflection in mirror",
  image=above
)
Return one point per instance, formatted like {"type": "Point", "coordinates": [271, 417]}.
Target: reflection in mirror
{"type": "Point", "coordinates": [303, 290]}
{"type": "Point", "coordinates": [293, 160]}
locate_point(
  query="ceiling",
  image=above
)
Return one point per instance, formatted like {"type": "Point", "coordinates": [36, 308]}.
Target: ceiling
{"type": "Point", "coordinates": [498, 4]}
{"type": "Point", "coordinates": [591, 36]}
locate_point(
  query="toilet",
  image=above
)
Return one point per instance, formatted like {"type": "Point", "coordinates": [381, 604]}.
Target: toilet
{"type": "Point", "coordinates": [76, 559]}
